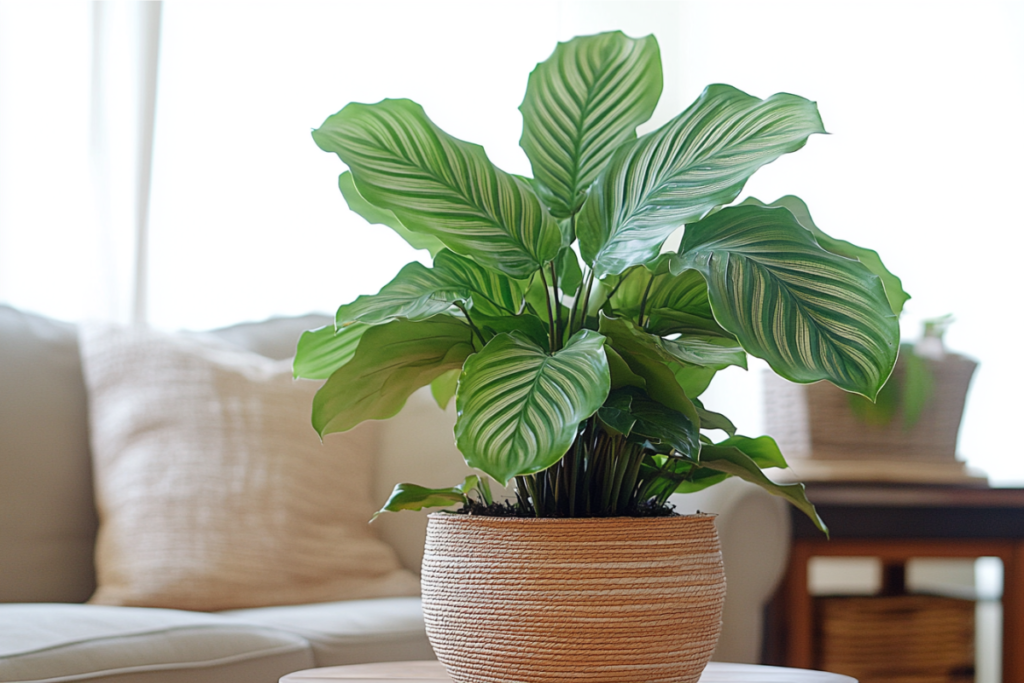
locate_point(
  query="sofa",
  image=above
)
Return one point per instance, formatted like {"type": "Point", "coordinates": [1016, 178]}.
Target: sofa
{"type": "Point", "coordinates": [49, 530]}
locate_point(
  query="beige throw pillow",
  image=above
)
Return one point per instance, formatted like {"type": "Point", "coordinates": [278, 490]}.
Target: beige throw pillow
{"type": "Point", "coordinates": [214, 491]}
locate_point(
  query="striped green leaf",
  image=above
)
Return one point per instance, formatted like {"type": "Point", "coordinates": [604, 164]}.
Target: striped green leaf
{"type": "Point", "coordinates": [647, 358]}
{"type": "Point", "coordinates": [378, 216]}
{"type": "Point", "coordinates": [699, 160]}
{"type": "Point", "coordinates": [391, 362]}
{"type": "Point", "coordinates": [438, 185]}
{"type": "Point", "coordinates": [737, 456]}
{"type": "Point", "coordinates": [526, 325]}
{"type": "Point", "coordinates": [581, 103]}
{"type": "Point", "coordinates": [708, 352]}
{"type": "Point", "coordinates": [651, 421]}
{"type": "Point", "coordinates": [325, 349]}
{"type": "Point", "coordinates": [415, 497]}
{"type": "Point", "coordinates": [676, 304]}
{"type": "Point", "coordinates": [418, 292]}
{"type": "Point", "coordinates": [519, 407]}
{"type": "Point", "coordinates": [871, 260]}
{"type": "Point", "coordinates": [811, 314]}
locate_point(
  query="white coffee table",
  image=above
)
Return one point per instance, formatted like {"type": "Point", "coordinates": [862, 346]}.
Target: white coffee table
{"type": "Point", "coordinates": [433, 672]}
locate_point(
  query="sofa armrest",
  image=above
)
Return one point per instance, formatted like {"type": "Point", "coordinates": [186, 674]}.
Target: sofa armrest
{"type": "Point", "coordinates": [416, 446]}
{"type": "Point", "coordinates": [754, 528]}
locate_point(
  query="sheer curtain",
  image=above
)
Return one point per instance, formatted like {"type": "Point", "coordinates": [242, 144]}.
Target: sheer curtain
{"type": "Point", "coordinates": [77, 88]}
{"type": "Point", "coordinates": [923, 100]}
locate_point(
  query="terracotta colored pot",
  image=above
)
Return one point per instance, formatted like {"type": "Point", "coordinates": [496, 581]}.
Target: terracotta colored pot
{"type": "Point", "coordinates": [618, 599]}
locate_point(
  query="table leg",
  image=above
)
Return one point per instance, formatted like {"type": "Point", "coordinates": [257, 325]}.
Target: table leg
{"type": "Point", "coordinates": [1013, 615]}
{"type": "Point", "coordinates": [799, 610]}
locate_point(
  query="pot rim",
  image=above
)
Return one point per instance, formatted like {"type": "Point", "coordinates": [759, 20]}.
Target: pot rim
{"type": "Point", "coordinates": [667, 519]}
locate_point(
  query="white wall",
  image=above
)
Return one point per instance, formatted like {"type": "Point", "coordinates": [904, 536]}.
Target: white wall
{"type": "Point", "coordinates": [924, 102]}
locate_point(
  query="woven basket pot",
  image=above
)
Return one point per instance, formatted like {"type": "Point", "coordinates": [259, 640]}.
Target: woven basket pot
{"type": "Point", "coordinates": [620, 599]}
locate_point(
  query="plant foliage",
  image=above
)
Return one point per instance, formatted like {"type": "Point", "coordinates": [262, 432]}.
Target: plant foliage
{"type": "Point", "coordinates": [580, 382]}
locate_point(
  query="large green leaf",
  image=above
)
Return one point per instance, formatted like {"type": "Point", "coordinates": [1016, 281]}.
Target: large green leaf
{"type": "Point", "coordinates": [392, 361]}
{"type": "Point", "coordinates": [322, 351]}
{"type": "Point", "coordinates": [676, 174]}
{"type": "Point", "coordinates": [581, 103]}
{"type": "Point", "coordinates": [379, 216]}
{"type": "Point", "coordinates": [811, 314]}
{"type": "Point", "coordinates": [709, 352]}
{"type": "Point", "coordinates": [519, 407]}
{"type": "Point", "coordinates": [525, 325]}
{"type": "Point", "coordinates": [443, 387]}
{"type": "Point", "coordinates": [694, 379]}
{"type": "Point", "coordinates": [676, 304]}
{"type": "Point", "coordinates": [418, 292]}
{"type": "Point", "coordinates": [570, 275]}
{"type": "Point", "coordinates": [734, 460]}
{"type": "Point", "coordinates": [709, 419]}
{"type": "Point", "coordinates": [871, 260]}
{"type": "Point", "coordinates": [646, 357]}
{"type": "Point", "coordinates": [438, 185]}
{"type": "Point", "coordinates": [622, 375]}
{"type": "Point", "coordinates": [652, 421]}
{"type": "Point", "coordinates": [415, 497]}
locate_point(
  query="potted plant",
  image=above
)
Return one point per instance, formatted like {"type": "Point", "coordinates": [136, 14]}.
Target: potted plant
{"type": "Point", "coordinates": [580, 383]}
{"type": "Point", "coordinates": [909, 433]}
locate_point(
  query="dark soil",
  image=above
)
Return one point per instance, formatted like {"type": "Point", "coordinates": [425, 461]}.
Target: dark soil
{"type": "Point", "coordinates": [509, 509]}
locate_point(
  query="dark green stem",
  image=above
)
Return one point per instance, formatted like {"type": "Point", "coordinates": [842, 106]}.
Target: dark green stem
{"type": "Point", "coordinates": [586, 301]}
{"type": "Point", "coordinates": [469, 320]}
{"type": "Point", "coordinates": [523, 304]}
{"type": "Point", "coordinates": [551, 317]}
{"type": "Point", "coordinates": [643, 302]}
{"type": "Point", "coordinates": [559, 328]}
{"type": "Point", "coordinates": [574, 477]}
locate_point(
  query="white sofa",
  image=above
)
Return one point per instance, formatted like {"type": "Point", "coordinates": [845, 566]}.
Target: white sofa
{"type": "Point", "coordinates": [48, 528]}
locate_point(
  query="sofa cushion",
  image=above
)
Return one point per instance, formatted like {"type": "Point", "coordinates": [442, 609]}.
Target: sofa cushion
{"type": "Point", "coordinates": [214, 491]}
{"type": "Point", "coordinates": [49, 642]}
{"type": "Point", "coordinates": [47, 520]}
{"type": "Point", "coordinates": [352, 632]}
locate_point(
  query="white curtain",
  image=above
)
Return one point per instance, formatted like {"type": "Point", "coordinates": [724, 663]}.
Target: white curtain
{"type": "Point", "coordinates": [924, 102]}
{"type": "Point", "coordinates": [77, 89]}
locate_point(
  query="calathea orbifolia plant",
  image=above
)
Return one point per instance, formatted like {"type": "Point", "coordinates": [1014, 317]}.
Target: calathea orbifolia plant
{"type": "Point", "coordinates": [579, 383]}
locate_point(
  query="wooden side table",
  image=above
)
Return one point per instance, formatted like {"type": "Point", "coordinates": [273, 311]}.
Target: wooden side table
{"type": "Point", "coordinates": [896, 523]}
{"type": "Point", "coordinates": [433, 672]}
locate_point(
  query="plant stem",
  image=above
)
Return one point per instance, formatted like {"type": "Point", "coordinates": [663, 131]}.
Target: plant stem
{"type": "Point", "coordinates": [572, 311]}
{"type": "Point", "coordinates": [626, 499]}
{"type": "Point", "coordinates": [643, 303]}
{"type": "Point", "coordinates": [523, 494]}
{"type": "Point", "coordinates": [574, 477]}
{"type": "Point", "coordinates": [551, 318]}
{"type": "Point", "coordinates": [523, 304]}
{"type": "Point", "coordinates": [484, 487]}
{"type": "Point", "coordinates": [559, 328]}
{"type": "Point", "coordinates": [586, 301]}
{"type": "Point", "coordinates": [469, 320]}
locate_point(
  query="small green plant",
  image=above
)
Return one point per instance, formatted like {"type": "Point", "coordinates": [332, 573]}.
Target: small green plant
{"type": "Point", "coordinates": [908, 393]}
{"type": "Point", "coordinates": [581, 383]}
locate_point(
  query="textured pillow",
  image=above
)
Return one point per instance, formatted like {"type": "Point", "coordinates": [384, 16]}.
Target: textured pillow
{"type": "Point", "coordinates": [214, 492]}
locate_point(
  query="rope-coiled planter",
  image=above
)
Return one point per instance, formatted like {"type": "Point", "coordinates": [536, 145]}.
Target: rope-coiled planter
{"type": "Point", "coordinates": [614, 600]}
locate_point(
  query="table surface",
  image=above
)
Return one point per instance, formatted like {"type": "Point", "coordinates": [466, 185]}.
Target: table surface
{"type": "Point", "coordinates": [910, 511]}
{"type": "Point", "coordinates": [427, 672]}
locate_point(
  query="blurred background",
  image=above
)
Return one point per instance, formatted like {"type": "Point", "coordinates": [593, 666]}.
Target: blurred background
{"type": "Point", "coordinates": [156, 163]}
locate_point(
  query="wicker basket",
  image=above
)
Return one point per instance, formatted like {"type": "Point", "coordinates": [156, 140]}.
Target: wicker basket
{"type": "Point", "coordinates": [897, 639]}
{"type": "Point", "coordinates": [616, 600]}
{"type": "Point", "coordinates": [823, 439]}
